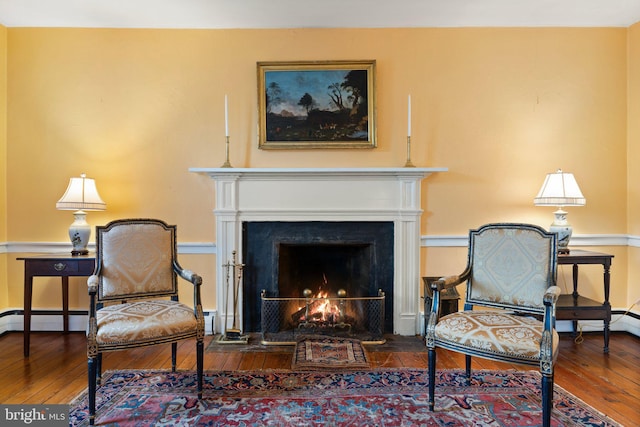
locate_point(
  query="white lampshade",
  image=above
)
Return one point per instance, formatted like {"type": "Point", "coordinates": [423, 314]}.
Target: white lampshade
{"type": "Point", "coordinates": [560, 189]}
{"type": "Point", "coordinates": [81, 195]}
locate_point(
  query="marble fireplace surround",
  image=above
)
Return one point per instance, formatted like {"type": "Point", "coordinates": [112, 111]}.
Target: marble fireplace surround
{"type": "Point", "coordinates": [325, 194]}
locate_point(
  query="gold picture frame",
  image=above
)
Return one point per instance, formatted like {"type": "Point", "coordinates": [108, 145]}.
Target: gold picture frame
{"type": "Point", "coordinates": [316, 104]}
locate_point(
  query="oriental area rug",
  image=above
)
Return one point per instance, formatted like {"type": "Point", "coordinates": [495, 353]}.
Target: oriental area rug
{"type": "Point", "coordinates": [391, 397]}
{"type": "Point", "coordinates": [323, 352]}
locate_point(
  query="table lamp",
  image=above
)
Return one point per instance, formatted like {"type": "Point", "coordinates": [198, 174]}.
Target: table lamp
{"type": "Point", "coordinates": [560, 189]}
{"type": "Point", "coordinates": [81, 196]}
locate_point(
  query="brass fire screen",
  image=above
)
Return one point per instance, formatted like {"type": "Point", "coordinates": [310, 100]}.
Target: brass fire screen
{"type": "Point", "coordinates": [284, 320]}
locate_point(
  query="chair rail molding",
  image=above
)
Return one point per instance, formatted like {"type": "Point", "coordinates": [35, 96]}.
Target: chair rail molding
{"type": "Point", "coordinates": [429, 241]}
{"type": "Point", "coordinates": [57, 247]}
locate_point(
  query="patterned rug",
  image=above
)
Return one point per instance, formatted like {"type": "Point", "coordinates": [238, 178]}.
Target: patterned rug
{"type": "Point", "coordinates": [322, 352]}
{"type": "Point", "coordinates": [392, 397]}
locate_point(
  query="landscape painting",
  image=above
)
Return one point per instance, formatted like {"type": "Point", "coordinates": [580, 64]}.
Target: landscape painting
{"type": "Point", "coordinates": [317, 104]}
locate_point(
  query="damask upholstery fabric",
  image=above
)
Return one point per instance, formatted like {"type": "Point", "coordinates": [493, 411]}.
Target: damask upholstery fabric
{"type": "Point", "coordinates": [143, 321]}
{"type": "Point", "coordinates": [493, 332]}
{"type": "Point", "coordinates": [136, 260]}
{"type": "Point", "coordinates": [511, 277]}
{"type": "Point", "coordinates": [510, 267]}
{"type": "Point", "coordinates": [134, 296]}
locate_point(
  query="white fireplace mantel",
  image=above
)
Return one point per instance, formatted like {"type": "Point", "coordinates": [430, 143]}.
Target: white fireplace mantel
{"type": "Point", "coordinates": [325, 194]}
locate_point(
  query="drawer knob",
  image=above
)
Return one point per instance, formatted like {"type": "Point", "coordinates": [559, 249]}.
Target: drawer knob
{"type": "Point", "coordinates": [60, 266]}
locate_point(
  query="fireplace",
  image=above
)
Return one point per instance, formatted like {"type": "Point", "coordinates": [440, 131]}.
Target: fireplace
{"type": "Point", "coordinates": [286, 258]}
{"type": "Point", "coordinates": [308, 195]}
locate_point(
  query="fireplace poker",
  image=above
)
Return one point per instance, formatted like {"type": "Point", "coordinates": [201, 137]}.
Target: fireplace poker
{"type": "Point", "coordinates": [234, 275]}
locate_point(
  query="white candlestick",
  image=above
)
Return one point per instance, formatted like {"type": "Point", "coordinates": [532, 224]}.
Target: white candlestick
{"type": "Point", "coordinates": [226, 117]}
{"type": "Point", "coordinates": [409, 117]}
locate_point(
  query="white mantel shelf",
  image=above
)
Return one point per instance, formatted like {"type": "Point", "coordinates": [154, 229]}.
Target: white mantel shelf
{"type": "Point", "coordinates": [326, 194]}
{"type": "Point", "coordinates": [339, 172]}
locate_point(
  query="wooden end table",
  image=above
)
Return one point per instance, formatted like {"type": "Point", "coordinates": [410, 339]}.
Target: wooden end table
{"type": "Point", "coordinates": [576, 307]}
{"type": "Point", "coordinates": [52, 265]}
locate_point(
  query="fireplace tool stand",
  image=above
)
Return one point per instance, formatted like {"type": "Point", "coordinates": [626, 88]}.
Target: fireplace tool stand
{"type": "Point", "coordinates": [233, 335]}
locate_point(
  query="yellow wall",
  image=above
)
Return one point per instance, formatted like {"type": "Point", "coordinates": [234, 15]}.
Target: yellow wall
{"type": "Point", "coordinates": [4, 295]}
{"type": "Point", "coordinates": [633, 161]}
{"type": "Point", "coordinates": [134, 109]}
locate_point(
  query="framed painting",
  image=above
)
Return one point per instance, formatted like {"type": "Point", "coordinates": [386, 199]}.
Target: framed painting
{"type": "Point", "coordinates": [316, 104]}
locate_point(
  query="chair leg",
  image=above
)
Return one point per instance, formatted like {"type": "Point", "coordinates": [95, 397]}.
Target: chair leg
{"type": "Point", "coordinates": [199, 365]}
{"type": "Point", "coordinates": [174, 353]}
{"type": "Point", "coordinates": [98, 371]}
{"type": "Point", "coordinates": [467, 365]}
{"type": "Point", "coordinates": [547, 399]}
{"type": "Point", "coordinates": [91, 365]}
{"type": "Point", "coordinates": [432, 379]}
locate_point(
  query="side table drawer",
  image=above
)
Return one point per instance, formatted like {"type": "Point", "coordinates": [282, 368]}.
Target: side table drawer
{"type": "Point", "coordinates": [568, 313]}
{"type": "Point", "coordinates": [60, 267]}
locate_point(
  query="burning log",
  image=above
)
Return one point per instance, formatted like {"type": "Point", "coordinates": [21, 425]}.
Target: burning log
{"type": "Point", "coordinates": [313, 308]}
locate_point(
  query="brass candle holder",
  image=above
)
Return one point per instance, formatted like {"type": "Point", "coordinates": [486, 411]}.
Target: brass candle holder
{"type": "Point", "coordinates": [226, 163]}
{"type": "Point", "coordinates": [408, 164]}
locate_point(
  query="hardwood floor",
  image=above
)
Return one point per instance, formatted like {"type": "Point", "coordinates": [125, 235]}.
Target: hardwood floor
{"type": "Point", "coordinates": [56, 370]}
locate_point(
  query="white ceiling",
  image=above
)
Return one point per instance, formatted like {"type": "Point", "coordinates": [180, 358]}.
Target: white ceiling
{"type": "Point", "coordinates": [318, 13]}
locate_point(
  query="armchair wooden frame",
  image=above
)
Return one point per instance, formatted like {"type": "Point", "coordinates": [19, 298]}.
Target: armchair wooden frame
{"type": "Point", "coordinates": [134, 296]}
{"type": "Point", "coordinates": [527, 292]}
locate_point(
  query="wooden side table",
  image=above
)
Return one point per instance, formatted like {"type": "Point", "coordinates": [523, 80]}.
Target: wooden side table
{"type": "Point", "coordinates": [576, 307]}
{"type": "Point", "coordinates": [52, 265]}
{"type": "Point", "coordinates": [448, 299]}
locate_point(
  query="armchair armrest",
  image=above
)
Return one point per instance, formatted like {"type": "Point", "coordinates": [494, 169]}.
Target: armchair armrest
{"type": "Point", "coordinates": [551, 295]}
{"type": "Point", "coordinates": [447, 282]}
{"type": "Point", "coordinates": [434, 314]}
{"type": "Point", "coordinates": [547, 344]}
{"type": "Point", "coordinates": [92, 329]}
{"type": "Point", "coordinates": [187, 275]}
{"type": "Point", "coordinates": [92, 284]}
{"type": "Point", "coordinates": [550, 299]}
{"type": "Point", "coordinates": [192, 277]}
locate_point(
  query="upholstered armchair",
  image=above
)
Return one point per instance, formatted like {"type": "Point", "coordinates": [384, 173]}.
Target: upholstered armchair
{"type": "Point", "coordinates": [511, 274]}
{"type": "Point", "coordinates": [134, 296]}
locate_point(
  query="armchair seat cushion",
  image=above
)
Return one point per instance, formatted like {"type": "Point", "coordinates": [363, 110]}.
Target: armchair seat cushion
{"type": "Point", "coordinates": [144, 322]}
{"type": "Point", "coordinates": [493, 333]}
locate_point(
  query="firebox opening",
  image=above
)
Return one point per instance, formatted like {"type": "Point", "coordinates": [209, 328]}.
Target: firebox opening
{"type": "Point", "coordinates": [357, 256]}
{"type": "Point", "coordinates": [325, 268]}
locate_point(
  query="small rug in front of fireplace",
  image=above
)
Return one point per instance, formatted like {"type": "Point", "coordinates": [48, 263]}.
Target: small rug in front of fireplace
{"type": "Point", "coordinates": [324, 352]}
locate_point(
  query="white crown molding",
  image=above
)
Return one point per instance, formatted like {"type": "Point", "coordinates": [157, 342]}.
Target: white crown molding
{"type": "Point", "coordinates": [202, 14]}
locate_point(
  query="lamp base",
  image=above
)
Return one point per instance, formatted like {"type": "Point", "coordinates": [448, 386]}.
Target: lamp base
{"type": "Point", "coordinates": [79, 232]}
{"type": "Point", "coordinates": [563, 229]}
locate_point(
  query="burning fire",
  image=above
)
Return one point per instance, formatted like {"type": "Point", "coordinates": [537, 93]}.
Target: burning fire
{"type": "Point", "coordinates": [320, 309]}
{"type": "Point", "coordinates": [324, 310]}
